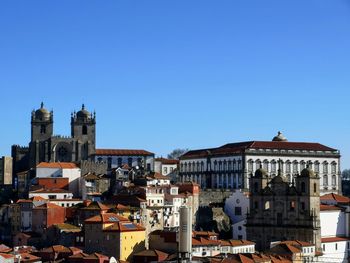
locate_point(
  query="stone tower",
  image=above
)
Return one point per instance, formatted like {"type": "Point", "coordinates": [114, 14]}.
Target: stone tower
{"type": "Point", "coordinates": [83, 131]}
{"type": "Point", "coordinates": [41, 132]}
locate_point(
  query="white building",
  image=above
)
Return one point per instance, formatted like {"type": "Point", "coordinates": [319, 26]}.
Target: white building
{"type": "Point", "coordinates": [65, 170]}
{"type": "Point", "coordinates": [237, 246]}
{"type": "Point", "coordinates": [335, 228]}
{"type": "Point", "coordinates": [236, 207]}
{"type": "Point", "coordinates": [118, 157]}
{"type": "Point", "coordinates": [165, 166]}
{"type": "Point", "coordinates": [231, 165]}
{"type": "Point", "coordinates": [51, 194]}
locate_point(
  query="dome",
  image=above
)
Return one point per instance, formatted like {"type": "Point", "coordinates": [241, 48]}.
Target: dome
{"type": "Point", "coordinates": [277, 179]}
{"type": "Point", "coordinates": [279, 138]}
{"type": "Point", "coordinates": [83, 114]}
{"type": "Point", "coordinates": [42, 113]}
{"type": "Point", "coordinates": [307, 172]}
{"type": "Point", "coordinates": [261, 173]}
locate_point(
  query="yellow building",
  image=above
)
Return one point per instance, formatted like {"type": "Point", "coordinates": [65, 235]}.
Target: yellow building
{"type": "Point", "coordinates": [114, 235]}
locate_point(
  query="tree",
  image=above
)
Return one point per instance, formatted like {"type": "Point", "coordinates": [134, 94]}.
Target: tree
{"type": "Point", "coordinates": [175, 154]}
{"type": "Point", "coordinates": [345, 174]}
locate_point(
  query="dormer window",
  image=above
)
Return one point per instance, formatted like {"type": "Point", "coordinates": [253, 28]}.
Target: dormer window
{"type": "Point", "coordinates": [42, 129]}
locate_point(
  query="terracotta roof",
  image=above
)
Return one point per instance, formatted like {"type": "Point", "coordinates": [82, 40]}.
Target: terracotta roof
{"type": "Point", "coordinates": [124, 226]}
{"type": "Point", "coordinates": [238, 243]}
{"type": "Point", "coordinates": [159, 176]}
{"type": "Point", "coordinates": [297, 243]}
{"type": "Point", "coordinates": [48, 205]}
{"type": "Point", "coordinates": [38, 198]}
{"type": "Point", "coordinates": [121, 152]}
{"type": "Point", "coordinates": [204, 242]}
{"type": "Point", "coordinates": [241, 147]}
{"type": "Point", "coordinates": [6, 256]}
{"type": "Point", "coordinates": [166, 161]}
{"type": "Point", "coordinates": [96, 206]}
{"type": "Point", "coordinates": [335, 197]}
{"type": "Point", "coordinates": [58, 165]}
{"type": "Point", "coordinates": [106, 218]}
{"type": "Point", "coordinates": [333, 239]}
{"type": "Point", "coordinates": [161, 256]}
{"type": "Point", "coordinates": [204, 233]}
{"type": "Point", "coordinates": [329, 208]}
{"type": "Point", "coordinates": [25, 257]}
{"type": "Point", "coordinates": [5, 249]}
{"type": "Point", "coordinates": [97, 256]}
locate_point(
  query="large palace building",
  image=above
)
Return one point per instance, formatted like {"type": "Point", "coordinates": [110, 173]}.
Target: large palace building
{"type": "Point", "coordinates": [230, 166]}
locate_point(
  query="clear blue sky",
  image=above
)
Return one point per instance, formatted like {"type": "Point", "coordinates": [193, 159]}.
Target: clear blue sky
{"type": "Point", "coordinates": [190, 74]}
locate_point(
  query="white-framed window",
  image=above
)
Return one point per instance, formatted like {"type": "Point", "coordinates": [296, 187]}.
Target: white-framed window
{"type": "Point", "coordinates": [325, 167]}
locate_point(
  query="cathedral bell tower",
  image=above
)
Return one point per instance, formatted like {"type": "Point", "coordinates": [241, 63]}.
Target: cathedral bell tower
{"type": "Point", "coordinates": [41, 124]}
{"type": "Point", "coordinates": [83, 130]}
{"type": "Point", "coordinates": [41, 132]}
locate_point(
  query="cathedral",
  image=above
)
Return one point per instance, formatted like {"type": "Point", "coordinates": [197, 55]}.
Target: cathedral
{"type": "Point", "coordinates": [44, 146]}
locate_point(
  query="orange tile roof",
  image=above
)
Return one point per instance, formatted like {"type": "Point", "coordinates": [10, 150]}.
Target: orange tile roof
{"type": "Point", "coordinates": [329, 208]}
{"type": "Point", "coordinates": [333, 239]}
{"type": "Point", "coordinates": [6, 256]}
{"type": "Point", "coordinates": [335, 197]}
{"type": "Point", "coordinates": [58, 165]}
{"type": "Point", "coordinates": [121, 152]}
{"type": "Point", "coordinates": [43, 191]}
{"type": "Point", "coordinates": [125, 226]}
{"type": "Point", "coordinates": [106, 218]}
{"type": "Point", "coordinates": [24, 201]}
{"type": "Point", "coordinates": [48, 206]}
{"type": "Point", "coordinates": [238, 243]}
{"type": "Point", "coordinates": [166, 161]}
{"type": "Point", "coordinates": [5, 249]}
{"type": "Point", "coordinates": [204, 242]}
{"type": "Point", "coordinates": [161, 256]}
{"type": "Point", "coordinates": [29, 257]}
{"type": "Point", "coordinates": [297, 243]}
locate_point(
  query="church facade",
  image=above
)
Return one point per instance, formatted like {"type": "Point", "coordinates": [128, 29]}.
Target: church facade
{"type": "Point", "coordinates": [282, 211]}
{"type": "Point", "coordinates": [44, 146]}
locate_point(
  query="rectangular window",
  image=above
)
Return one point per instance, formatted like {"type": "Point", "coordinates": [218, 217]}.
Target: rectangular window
{"type": "Point", "coordinates": [238, 210]}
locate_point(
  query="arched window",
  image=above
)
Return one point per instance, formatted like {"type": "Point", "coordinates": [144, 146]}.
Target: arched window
{"type": "Point", "coordinates": [267, 205]}
{"type": "Point", "coordinates": [215, 165]}
{"type": "Point", "coordinates": [186, 167]}
{"type": "Point", "coordinates": [220, 166]}
{"type": "Point", "coordinates": [258, 164]}
{"type": "Point", "coordinates": [325, 180]}
{"type": "Point", "coordinates": [325, 167]}
{"type": "Point", "coordinates": [234, 164]}
{"type": "Point", "coordinates": [182, 167]}
{"type": "Point", "coordinates": [84, 132]}
{"type": "Point", "coordinates": [303, 188]}
{"type": "Point", "coordinates": [334, 180]}
{"type": "Point", "coordinates": [273, 166]}
{"type": "Point", "coordinates": [42, 129]}
{"type": "Point", "coordinates": [120, 161]}
{"type": "Point", "coordinates": [130, 161]}
{"type": "Point", "coordinates": [109, 163]}
{"type": "Point", "coordinates": [288, 166]}
{"type": "Point", "coordinates": [202, 166]}
{"type": "Point", "coordinates": [295, 167]}
{"type": "Point", "coordinates": [250, 166]}
{"type": "Point", "coordinates": [333, 167]}
{"type": "Point", "coordinates": [190, 167]}
{"type": "Point", "coordinates": [302, 165]}
{"type": "Point", "coordinates": [317, 167]}
{"type": "Point", "coordinates": [315, 187]}
{"type": "Point", "coordinates": [256, 187]}
{"type": "Point", "coordinates": [193, 166]}
{"type": "Point", "coordinates": [229, 165]}
{"type": "Point", "coordinates": [225, 165]}
{"type": "Point", "coordinates": [266, 165]}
